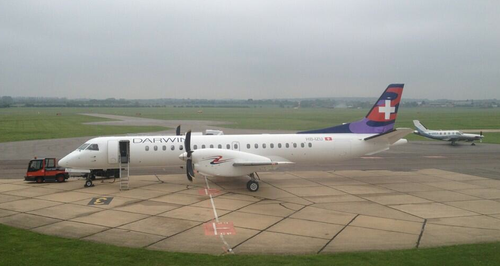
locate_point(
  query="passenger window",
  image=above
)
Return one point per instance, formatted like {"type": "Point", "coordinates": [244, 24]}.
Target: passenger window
{"type": "Point", "coordinates": [211, 146]}
{"type": "Point", "coordinates": [219, 146]}
{"type": "Point", "coordinates": [203, 146]}
{"type": "Point", "coordinates": [147, 148]}
{"type": "Point", "coordinates": [302, 145]}
{"type": "Point", "coordinates": [295, 145]}
{"type": "Point", "coordinates": [248, 146]}
{"type": "Point", "coordinates": [93, 147]}
{"type": "Point", "coordinates": [279, 145]}
{"type": "Point", "coordinates": [228, 146]}
{"type": "Point", "coordinates": [287, 145]}
{"type": "Point", "coordinates": [263, 146]}
{"type": "Point", "coordinates": [181, 147]}
{"type": "Point", "coordinates": [310, 144]}
{"type": "Point", "coordinates": [195, 147]}
{"type": "Point", "coordinates": [235, 146]}
{"type": "Point", "coordinates": [271, 145]}
{"type": "Point", "coordinates": [256, 145]}
{"type": "Point", "coordinates": [172, 147]}
{"type": "Point", "coordinates": [164, 148]}
{"type": "Point", "coordinates": [156, 148]}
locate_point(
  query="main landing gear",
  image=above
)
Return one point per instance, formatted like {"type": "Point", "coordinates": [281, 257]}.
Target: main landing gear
{"type": "Point", "coordinates": [253, 183]}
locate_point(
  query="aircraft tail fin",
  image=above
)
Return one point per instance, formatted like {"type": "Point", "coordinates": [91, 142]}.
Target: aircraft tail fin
{"type": "Point", "coordinates": [380, 119]}
{"type": "Point", "coordinates": [420, 127]}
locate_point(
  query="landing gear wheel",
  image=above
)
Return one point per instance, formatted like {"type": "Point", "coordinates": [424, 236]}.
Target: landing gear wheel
{"type": "Point", "coordinates": [473, 144]}
{"type": "Point", "coordinates": [253, 186]}
{"type": "Point", "coordinates": [39, 179]}
{"type": "Point", "coordinates": [88, 183]}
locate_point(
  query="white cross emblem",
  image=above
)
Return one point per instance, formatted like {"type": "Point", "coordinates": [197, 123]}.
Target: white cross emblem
{"type": "Point", "coordinates": [387, 109]}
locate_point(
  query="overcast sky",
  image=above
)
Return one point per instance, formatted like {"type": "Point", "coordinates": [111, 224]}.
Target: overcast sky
{"type": "Point", "coordinates": [249, 49]}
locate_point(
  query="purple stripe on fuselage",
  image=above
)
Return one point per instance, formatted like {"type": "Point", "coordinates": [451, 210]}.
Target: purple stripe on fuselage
{"type": "Point", "coordinates": [362, 127]}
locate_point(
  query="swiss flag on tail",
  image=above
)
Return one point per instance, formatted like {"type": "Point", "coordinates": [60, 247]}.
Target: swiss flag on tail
{"type": "Point", "coordinates": [386, 108]}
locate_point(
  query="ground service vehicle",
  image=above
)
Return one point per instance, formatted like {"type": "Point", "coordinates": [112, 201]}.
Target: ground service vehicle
{"type": "Point", "coordinates": [45, 169]}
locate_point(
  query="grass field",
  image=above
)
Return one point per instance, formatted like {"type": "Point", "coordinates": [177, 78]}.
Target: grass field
{"type": "Point", "coordinates": [42, 123]}
{"type": "Point", "coordinates": [22, 247]}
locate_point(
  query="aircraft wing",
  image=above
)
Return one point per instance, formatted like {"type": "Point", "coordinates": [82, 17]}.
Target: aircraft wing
{"type": "Point", "coordinates": [219, 162]}
{"type": "Point", "coordinates": [391, 136]}
{"type": "Point", "coordinates": [247, 163]}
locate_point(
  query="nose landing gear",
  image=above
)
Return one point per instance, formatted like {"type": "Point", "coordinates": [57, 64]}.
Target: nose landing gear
{"type": "Point", "coordinates": [88, 181]}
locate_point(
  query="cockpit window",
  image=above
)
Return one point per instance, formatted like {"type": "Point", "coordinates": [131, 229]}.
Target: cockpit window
{"type": "Point", "coordinates": [95, 147]}
{"type": "Point", "coordinates": [83, 147]}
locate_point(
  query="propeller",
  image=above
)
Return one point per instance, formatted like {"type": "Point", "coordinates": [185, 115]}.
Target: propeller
{"type": "Point", "coordinates": [178, 130]}
{"type": "Point", "coordinates": [189, 161]}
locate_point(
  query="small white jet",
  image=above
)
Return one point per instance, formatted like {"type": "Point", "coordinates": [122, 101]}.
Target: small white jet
{"type": "Point", "coordinates": [245, 155]}
{"type": "Point", "coordinates": [446, 135]}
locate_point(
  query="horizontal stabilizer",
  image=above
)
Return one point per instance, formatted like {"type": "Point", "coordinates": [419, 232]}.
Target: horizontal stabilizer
{"type": "Point", "coordinates": [392, 136]}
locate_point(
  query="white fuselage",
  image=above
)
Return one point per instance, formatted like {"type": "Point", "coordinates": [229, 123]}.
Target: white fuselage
{"type": "Point", "coordinates": [449, 135]}
{"type": "Point", "coordinates": [147, 151]}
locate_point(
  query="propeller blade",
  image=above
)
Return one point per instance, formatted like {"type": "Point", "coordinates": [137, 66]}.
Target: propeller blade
{"type": "Point", "coordinates": [178, 130]}
{"type": "Point", "coordinates": [189, 170]}
{"type": "Point", "coordinates": [189, 152]}
{"type": "Point", "coordinates": [187, 144]}
{"type": "Point", "coordinates": [481, 133]}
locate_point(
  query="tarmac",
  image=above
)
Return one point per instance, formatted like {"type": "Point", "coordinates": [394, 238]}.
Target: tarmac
{"type": "Point", "coordinates": [296, 212]}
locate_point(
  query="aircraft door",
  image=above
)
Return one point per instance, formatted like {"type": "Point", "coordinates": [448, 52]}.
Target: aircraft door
{"type": "Point", "coordinates": [235, 146]}
{"type": "Point", "coordinates": [124, 151]}
{"type": "Point", "coordinates": [112, 151]}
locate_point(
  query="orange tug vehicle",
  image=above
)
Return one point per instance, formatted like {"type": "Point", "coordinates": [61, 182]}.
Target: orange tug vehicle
{"type": "Point", "coordinates": [45, 169]}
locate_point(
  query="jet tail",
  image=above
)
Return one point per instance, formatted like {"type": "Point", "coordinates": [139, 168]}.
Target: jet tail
{"type": "Point", "coordinates": [380, 119]}
{"type": "Point", "coordinates": [420, 127]}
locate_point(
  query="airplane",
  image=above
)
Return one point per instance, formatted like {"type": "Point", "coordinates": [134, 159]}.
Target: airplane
{"type": "Point", "coordinates": [245, 155]}
{"type": "Point", "coordinates": [446, 135]}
